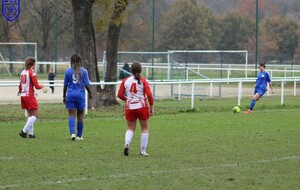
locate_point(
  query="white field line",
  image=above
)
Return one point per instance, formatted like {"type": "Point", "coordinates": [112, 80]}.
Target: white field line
{"type": "Point", "coordinates": [143, 173]}
{"type": "Point", "coordinates": [7, 158]}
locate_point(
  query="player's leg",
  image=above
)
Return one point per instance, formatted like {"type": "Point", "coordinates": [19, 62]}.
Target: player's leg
{"type": "Point", "coordinates": [79, 124]}
{"type": "Point", "coordinates": [144, 137]}
{"type": "Point", "coordinates": [31, 128]}
{"type": "Point", "coordinates": [72, 115]}
{"type": "Point", "coordinates": [23, 132]}
{"type": "Point", "coordinates": [31, 106]}
{"type": "Point", "coordinates": [131, 125]}
{"type": "Point", "coordinates": [255, 98]}
{"type": "Point", "coordinates": [71, 106]}
{"type": "Point", "coordinates": [52, 87]}
{"type": "Point", "coordinates": [80, 105]}
{"type": "Point", "coordinates": [31, 132]}
{"type": "Point", "coordinates": [28, 127]}
{"type": "Point", "coordinates": [144, 116]}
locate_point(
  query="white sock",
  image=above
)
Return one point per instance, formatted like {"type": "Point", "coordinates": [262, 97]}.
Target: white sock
{"type": "Point", "coordinates": [128, 136]}
{"type": "Point", "coordinates": [31, 130]}
{"type": "Point", "coordinates": [30, 122]}
{"type": "Point", "coordinates": [144, 141]}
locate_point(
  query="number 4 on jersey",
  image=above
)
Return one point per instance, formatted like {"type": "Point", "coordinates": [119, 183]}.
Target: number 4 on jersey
{"type": "Point", "coordinates": [133, 88]}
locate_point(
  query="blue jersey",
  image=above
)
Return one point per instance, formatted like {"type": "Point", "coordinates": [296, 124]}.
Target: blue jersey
{"type": "Point", "coordinates": [76, 89]}
{"type": "Point", "coordinates": [262, 80]}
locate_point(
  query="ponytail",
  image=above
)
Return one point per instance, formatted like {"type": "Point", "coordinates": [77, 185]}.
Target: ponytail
{"type": "Point", "coordinates": [136, 70]}
{"type": "Point", "coordinates": [138, 78]}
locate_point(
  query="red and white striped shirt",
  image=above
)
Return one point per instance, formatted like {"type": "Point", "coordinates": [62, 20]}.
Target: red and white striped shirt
{"type": "Point", "coordinates": [134, 94]}
{"type": "Point", "coordinates": [28, 81]}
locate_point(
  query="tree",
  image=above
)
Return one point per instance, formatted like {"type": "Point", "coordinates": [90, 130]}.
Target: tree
{"type": "Point", "coordinates": [108, 96]}
{"type": "Point", "coordinates": [185, 26]}
{"type": "Point", "coordinates": [236, 31]}
{"type": "Point", "coordinates": [297, 51]}
{"type": "Point", "coordinates": [85, 42]}
{"type": "Point", "coordinates": [220, 7]}
{"type": "Point", "coordinates": [280, 37]}
{"type": "Point", "coordinates": [248, 8]}
{"type": "Point", "coordinates": [43, 16]}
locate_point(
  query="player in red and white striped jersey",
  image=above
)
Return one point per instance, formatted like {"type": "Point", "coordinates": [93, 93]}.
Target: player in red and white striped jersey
{"type": "Point", "coordinates": [135, 91]}
{"type": "Point", "coordinates": [29, 82]}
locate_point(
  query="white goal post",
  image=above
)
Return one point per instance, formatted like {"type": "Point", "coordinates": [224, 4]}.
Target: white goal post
{"type": "Point", "coordinates": [20, 50]}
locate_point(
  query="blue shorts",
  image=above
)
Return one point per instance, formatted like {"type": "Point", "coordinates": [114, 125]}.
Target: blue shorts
{"type": "Point", "coordinates": [260, 92]}
{"type": "Point", "coordinates": [72, 105]}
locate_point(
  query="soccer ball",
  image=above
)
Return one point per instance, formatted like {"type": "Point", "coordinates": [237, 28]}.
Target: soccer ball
{"type": "Point", "coordinates": [45, 90]}
{"type": "Point", "coordinates": [236, 109]}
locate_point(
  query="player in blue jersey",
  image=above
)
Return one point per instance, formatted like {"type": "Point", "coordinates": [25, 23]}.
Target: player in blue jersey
{"type": "Point", "coordinates": [75, 82]}
{"type": "Point", "coordinates": [260, 89]}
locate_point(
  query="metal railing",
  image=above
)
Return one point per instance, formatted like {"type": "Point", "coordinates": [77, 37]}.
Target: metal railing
{"type": "Point", "coordinates": [209, 82]}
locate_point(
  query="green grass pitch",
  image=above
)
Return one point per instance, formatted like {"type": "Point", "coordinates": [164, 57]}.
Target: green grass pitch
{"type": "Point", "coordinates": [206, 148]}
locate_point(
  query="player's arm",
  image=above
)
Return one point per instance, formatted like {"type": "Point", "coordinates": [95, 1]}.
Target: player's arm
{"type": "Point", "coordinates": [270, 83]}
{"type": "Point", "coordinates": [89, 91]}
{"type": "Point", "coordinates": [121, 92]}
{"type": "Point", "coordinates": [87, 83]}
{"type": "Point", "coordinates": [66, 82]}
{"type": "Point", "coordinates": [149, 96]}
{"type": "Point", "coordinates": [271, 86]}
{"type": "Point", "coordinates": [20, 85]}
{"type": "Point", "coordinates": [20, 88]}
{"type": "Point", "coordinates": [34, 80]}
{"type": "Point", "coordinates": [64, 94]}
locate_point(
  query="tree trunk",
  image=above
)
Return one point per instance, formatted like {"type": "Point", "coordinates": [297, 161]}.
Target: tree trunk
{"type": "Point", "coordinates": [108, 95]}
{"type": "Point", "coordinates": [85, 43]}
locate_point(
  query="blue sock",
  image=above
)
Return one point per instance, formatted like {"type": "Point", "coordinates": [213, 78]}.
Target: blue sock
{"type": "Point", "coordinates": [72, 125]}
{"type": "Point", "coordinates": [79, 129]}
{"type": "Point", "coordinates": [252, 104]}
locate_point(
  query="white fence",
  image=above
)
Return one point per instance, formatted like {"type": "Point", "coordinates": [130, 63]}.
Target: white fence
{"type": "Point", "coordinates": [238, 89]}
{"type": "Point", "coordinates": [191, 71]}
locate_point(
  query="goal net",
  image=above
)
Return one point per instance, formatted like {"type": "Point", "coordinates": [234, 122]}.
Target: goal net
{"type": "Point", "coordinates": [199, 64]}
{"type": "Point", "coordinates": [13, 55]}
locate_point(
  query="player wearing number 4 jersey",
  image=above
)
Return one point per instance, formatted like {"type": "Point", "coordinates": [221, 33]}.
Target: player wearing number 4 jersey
{"type": "Point", "coordinates": [135, 91]}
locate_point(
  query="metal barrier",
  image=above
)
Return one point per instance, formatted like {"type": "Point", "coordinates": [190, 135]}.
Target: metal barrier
{"type": "Point", "coordinates": [210, 82]}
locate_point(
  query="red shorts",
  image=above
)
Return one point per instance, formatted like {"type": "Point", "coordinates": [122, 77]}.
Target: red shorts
{"type": "Point", "coordinates": [29, 103]}
{"type": "Point", "coordinates": [141, 114]}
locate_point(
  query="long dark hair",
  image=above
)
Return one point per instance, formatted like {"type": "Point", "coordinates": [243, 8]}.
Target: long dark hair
{"type": "Point", "coordinates": [136, 70]}
{"type": "Point", "coordinates": [76, 63]}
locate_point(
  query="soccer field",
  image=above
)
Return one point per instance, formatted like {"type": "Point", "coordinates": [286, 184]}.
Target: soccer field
{"type": "Point", "coordinates": [206, 148]}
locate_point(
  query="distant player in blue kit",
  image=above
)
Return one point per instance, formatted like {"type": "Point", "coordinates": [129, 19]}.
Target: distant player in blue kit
{"type": "Point", "coordinates": [75, 82]}
{"type": "Point", "coordinates": [260, 89]}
